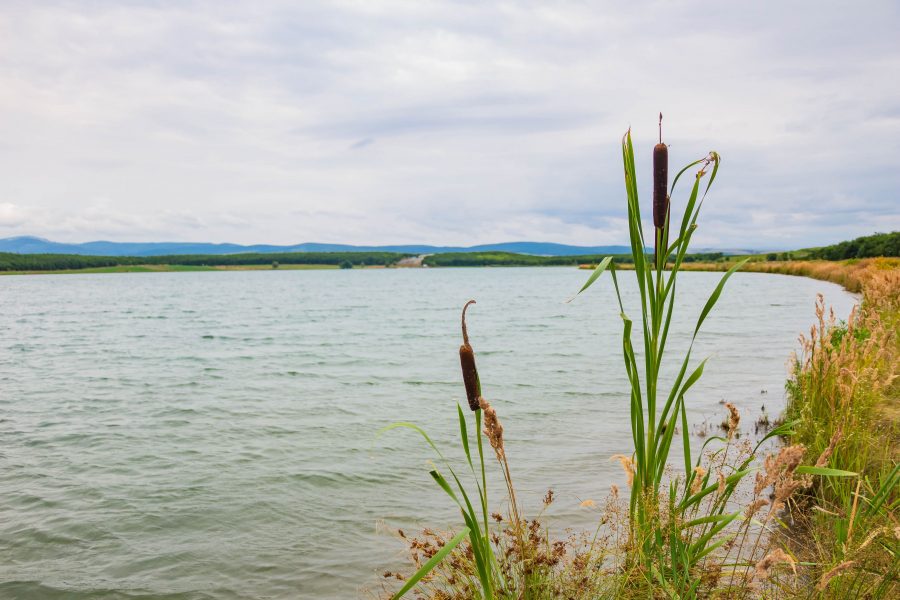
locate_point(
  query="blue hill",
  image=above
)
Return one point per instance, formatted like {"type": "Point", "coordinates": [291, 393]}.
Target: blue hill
{"type": "Point", "coordinates": [36, 245]}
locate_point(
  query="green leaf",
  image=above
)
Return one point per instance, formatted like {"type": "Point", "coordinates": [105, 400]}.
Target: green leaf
{"type": "Point", "coordinates": [444, 485]}
{"type": "Point", "coordinates": [714, 297]}
{"type": "Point", "coordinates": [594, 276]}
{"type": "Point", "coordinates": [823, 471]}
{"type": "Point", "coordinates": [464, 434]}
{"type": "Point", "coordinates": [432, 563]}
{"type": "Point", "coordinates": [714, 547]}
{"type": "Point", "coordinates": [707, 519]}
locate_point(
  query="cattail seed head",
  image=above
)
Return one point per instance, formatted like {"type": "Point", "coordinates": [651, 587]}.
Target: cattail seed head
{"type": "Point", "coordinates": [660, 181]}
{"type": "Point", "coordinates": [467, 361]}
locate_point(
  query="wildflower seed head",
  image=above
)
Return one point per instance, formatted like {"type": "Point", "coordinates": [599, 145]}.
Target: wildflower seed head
{"type": "Point", "coordinates": [827, 577]}
{"type": "Point", "coordinates": [826, 454]}
{"type": "Point", "coordinates": [697, 483]}
{"type": "Point", "coordinates": [754, 506]}
{"type": "Point", "coordinates": [627, 465]}
{"type": "Point", "coordinates": [775, 557]}
{"type": "Point", "coordinates": [492, 428]}
{"type": "Point", "coordinates": [734, 419]}
{"type": "Point", "coordinates": [548, 498]}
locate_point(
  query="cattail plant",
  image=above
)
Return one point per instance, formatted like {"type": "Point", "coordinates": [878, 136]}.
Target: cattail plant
{"type": "Point", "coordinates": [670, 539]}
{"type": "Point", "coordinates": [475, 516]}
{"type": "Point", "coordinates": [656, 414]}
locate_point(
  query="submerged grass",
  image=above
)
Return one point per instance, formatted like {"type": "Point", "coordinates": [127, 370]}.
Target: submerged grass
{"type": "Point", "coordinates": [728, 523]}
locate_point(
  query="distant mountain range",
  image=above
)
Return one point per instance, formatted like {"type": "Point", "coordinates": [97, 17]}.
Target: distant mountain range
{"type": "Point", "coordinates": [36, 245]}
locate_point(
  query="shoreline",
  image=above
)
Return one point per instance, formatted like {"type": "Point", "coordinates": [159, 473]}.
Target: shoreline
{"type": "Point", "coordinates": [848, 273]}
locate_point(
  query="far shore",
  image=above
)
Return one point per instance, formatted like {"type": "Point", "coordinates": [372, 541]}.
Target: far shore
{"type": "Point", "coordinates": [173, 269]}
{"type": "Point", "coordinates": [845, 273]}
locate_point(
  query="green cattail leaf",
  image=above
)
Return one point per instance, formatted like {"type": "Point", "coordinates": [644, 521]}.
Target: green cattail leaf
{"type": "Point", "coordinates": [700, 546]}
{"type": "Point", "coordinates": [594, 276]}
{"type": "Point", "coordinates": [432, 563]}
{"type": "Point", "coordinates": [695, 498]}
{"type": "Point", "coordinates": [823, 471]}
{"type": "Point", "coordinates": [714, 297]}
{"type": "Point", "coordinates": [686, 442]}
{"type": "Point", "coordinates": [706, 519]}
{"type": "Point", "coordinates": [784, 430]}
{"type": "Point", "coordinates": [887, 486]}
{"type": "Point", "coordinates": [464, 434]}
{"type": "Point", "coordinates": [714, 547]}
{"type": "Point", "coordinates": [444, 485]}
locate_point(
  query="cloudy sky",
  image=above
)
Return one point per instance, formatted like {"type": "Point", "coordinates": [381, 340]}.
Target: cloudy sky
{"type": "Point", "coordinates": [442, 122]}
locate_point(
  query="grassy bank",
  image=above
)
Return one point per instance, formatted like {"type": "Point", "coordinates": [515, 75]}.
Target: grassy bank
{"type": "Point", "coordinates": [812, 518]}
{"type": "Point", "coordinates": [852, 274]}
{"type": "Point", "coordinates": [844, 395]}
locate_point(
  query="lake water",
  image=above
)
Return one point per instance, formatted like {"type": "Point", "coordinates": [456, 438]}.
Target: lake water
{"type": "Point", "coordinates": [213, 434]}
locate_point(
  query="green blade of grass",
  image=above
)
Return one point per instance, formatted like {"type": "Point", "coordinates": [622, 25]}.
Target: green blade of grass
{"type": "Point", "coordinates": [594, 276]}
{"type": "Point", "coordinates": [432, 563]}
{"type": "Point", "coordinates": [823, 471]}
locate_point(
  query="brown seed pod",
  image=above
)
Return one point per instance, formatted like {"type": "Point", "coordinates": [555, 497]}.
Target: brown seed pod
{"type": "Point", "coordinates": [660, 185]}
{"type": "Point", "coordinates": [467, 361]}
{"type": "Point", "coordinates": [660, 197]}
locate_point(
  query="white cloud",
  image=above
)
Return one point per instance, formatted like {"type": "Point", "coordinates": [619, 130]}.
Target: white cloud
{"type": "Point", "coordinates": [12, 215]}
{"type": "Point", "coordinates": [440, 122]}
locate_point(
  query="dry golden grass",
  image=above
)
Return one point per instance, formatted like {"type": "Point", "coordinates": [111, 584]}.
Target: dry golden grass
{"type": "Point", "coordinates": [854, 275]}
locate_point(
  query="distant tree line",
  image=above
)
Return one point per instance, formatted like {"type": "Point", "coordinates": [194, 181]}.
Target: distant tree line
{"type": "Point", "coordinates": [510, 259]}
{"type": "Point", "coordinates": [59, 262]}
{"type": "Point", "coordinates": [880, 244]}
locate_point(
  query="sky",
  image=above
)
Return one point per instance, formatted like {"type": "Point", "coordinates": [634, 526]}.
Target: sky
{"type": "Point", "coordinates": [389, 122]}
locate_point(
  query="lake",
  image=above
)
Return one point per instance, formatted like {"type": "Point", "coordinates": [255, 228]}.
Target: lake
{"type": "Point", "coordinates": [213, 434]}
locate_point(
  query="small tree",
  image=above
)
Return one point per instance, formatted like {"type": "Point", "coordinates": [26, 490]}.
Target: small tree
{"type": "Point", "coordinates": [274, 264]}
{"type": "Point", "coordinates": [346, 265]}
{"type": "Point", "coordinates": [771, 256]}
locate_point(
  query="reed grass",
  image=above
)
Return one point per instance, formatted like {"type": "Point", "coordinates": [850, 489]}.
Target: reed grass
{"type": "Point", "coordinates": [845, 394]}
{"type": "Point", "coordinates": [716, 526]}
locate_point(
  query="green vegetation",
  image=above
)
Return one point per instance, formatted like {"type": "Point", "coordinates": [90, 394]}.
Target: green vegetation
{"type": "Point", "coordinates": [167, 269]}
{"type": "Point", "coordinates": [510, 259]}
{"type": "Point", "coordinates": [710, 530]}
{"type": "Point", "coordinates": [115, 264]}
{"type": "Point", "coordinates": [880, 244]}
{"type": "Point", "coordinates": [844, 396]}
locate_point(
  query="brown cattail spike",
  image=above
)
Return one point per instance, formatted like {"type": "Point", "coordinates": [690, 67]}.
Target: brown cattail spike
{"type": "Point", "coordinates": [467, 361]}
{"type": "Point", "coordinates": [660, 195]}
{"type": "Point", "coordinates": [660, 181]}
